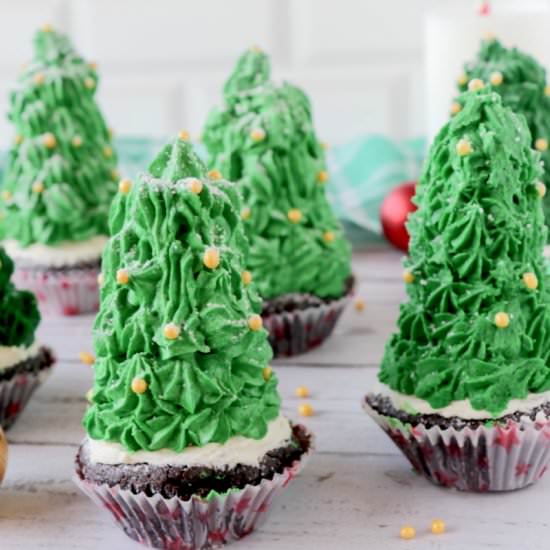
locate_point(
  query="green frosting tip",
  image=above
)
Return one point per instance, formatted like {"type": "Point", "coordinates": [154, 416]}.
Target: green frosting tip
{"type": "Point", "coordinates": [253, 69]}
{"type": "Point", "coordinates": [177, 160]}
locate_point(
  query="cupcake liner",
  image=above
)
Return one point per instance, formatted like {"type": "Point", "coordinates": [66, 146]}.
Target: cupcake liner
{"type": "Point", "coordinates": [68, 291]}
{"type": "Point", "coordinates": [498, 456]}
{"type": "Point", "coordinates": [193, 524]}
{"type": "Point", "coordinates": [15, 393]}
{"type": "Point", "coordinates": [300, 330]}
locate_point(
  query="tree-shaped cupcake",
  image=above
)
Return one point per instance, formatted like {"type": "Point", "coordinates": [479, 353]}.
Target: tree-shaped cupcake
{"type": "Point", "coordinates": [60, 178]}
{"type": "Point", "coordinates": [184, 403]}
{"type": "Point", "coordinates": [23, 363]}
{"type": "Point", "coordinates": [263, 138]}
{"type": "Point", "coordinates": [521, 81]}
{"type": "Point", "coordinates": [466, 379]}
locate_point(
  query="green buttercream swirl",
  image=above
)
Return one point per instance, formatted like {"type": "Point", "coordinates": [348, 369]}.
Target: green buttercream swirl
{"type": "Point", "coordinates": [263, 138]}
{"type": "Point", "coordinates": [76, 177]}
{"type": "Point", "coordinates": [478, 229]}
{"type": "Point", "coordinates": [206, 385]}
{"type": "Point", "coordinates": [522, 89]}
{"type": "Point", "coordinates": [19, 316]}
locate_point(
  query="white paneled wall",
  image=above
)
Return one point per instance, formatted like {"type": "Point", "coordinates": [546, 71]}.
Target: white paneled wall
{"type": "Point", "coordinates": [162, 62]}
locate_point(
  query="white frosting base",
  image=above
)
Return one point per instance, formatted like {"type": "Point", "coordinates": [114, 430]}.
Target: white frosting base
{"type": "Point", "coordinates": [461, 409]}
{"type": "Point", "coordinates": [65, 253]}
{"type": "Point", "coordinates": [236, 450]}
{"type": "Point", "coordinates": [11, 355]}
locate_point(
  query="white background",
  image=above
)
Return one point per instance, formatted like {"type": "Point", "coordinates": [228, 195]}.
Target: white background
{"type": "Point", "coordinates": [162, 62]}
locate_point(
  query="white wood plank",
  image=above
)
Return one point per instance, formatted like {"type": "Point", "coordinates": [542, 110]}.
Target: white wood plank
{"type": "Point", "coordinates": [339, 501]}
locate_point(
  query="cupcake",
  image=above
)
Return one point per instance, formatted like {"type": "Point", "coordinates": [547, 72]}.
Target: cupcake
{"type": "Point", "coordinates": [59, 180]}
{"type": "Point", "coordinates": [521, 82]}
{"type": "Point", "coordinates": [186, 444]}
{"type": "Point", "coordinates": [24, 364]}
{"type": "Point", "coordinates": [464, 384]}
{"type": "Point", "coordinates": [263, 138]}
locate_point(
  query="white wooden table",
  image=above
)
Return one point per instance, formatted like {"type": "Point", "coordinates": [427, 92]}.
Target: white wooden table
{"type": "Point", "coordinates": [356, 492]}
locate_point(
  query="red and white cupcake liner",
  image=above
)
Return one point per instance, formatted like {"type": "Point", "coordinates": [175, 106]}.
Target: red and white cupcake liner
{"type": "Point", "coordinates": [70, 291]}
{"type": "Point", "coordinates": [300, 330]}
{"type": "Point", "coordinates": [15, 393]}
{"type": "Point", "coordinates": [501, 456]}
{"type": "Point", "coordinates": [193, 524]}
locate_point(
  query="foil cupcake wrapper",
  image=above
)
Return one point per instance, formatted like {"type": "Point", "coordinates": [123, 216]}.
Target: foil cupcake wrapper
{"type": "Point", "coordinates": [300, 330]}
{"type": "Point", "coordinates": [15, 393]}
{"type": "Point", "coordinates": [71, 291]}
{"type": "Point", "coordinates": [193, 524]}
{"type": "Point", "coordinates": [503, 456]}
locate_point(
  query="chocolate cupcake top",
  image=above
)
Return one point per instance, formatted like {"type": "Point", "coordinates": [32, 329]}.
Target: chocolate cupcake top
{"type": "Point", "coordinates": [60, 177]}
{"type": "Point", "coordinates": [477, 323]}
{"type": "Point", "coordinates": [521, 82]}
{"type": "Point", "coordinates": [181, 353]}
{"type": "Point", "coordinates": [19, 316]}
{"type": "Point", "coordinates": [263, 138]}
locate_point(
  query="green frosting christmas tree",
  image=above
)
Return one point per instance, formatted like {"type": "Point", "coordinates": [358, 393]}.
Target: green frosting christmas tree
{"type": "Point", "coordinates": [521, 81]}
{"type": "Point", "coordinates": [19, 315]}
{"type": "Point", "coordinates": [477, 325]}
{"type": "Point", "coordinates": [181, 353]}
{"type": "Point", "coordinates": [60, 178]}
{"type": "Point", "coordinates": [264, 139]}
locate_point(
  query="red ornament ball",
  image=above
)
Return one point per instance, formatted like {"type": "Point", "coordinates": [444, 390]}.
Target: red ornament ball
{"type": "Point", "coordinates": [393, 214]}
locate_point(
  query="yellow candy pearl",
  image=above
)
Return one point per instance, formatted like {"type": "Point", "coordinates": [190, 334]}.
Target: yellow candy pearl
{"type": "Point", "coordinates": [214, 175]}
{"type": "Point", "coordinates": [302, 391]}
{"type": "Point", "coordinates": [541, 144]}
{"type": "Point", "coordinates": [305, 410]}
{"type": "Point", "coordinates": [124, 186]}
{"type": "Point", "coordinates": [462, 79]}
{"type": "Point", "coordinates": [245, 213]}
{"type": "Point", "coordinates": [496, 78]}
{"type": "Point", "coordinates": [139, 385]}
{"type": "Point", "coordinates": [49, 140]}
{"type": "Point", "coordinates": [89, 83]}
{"type": "Point", "coordinates": [39, 79]}
{"type": "Point", "coordinates": [211, 258]}
{"type": "Point", "coordinates": [86, 357]}
{"type": "Point", "coordinates": [255, 322]}
{"type": "Point", "coordinates": [408, 277]}
{"type": "Point", "coordinates": [100, 279]}
{"type": "Point", "coordinates": [107, 152]}
{"type": "Point", "coordinates": [246, 277]}
{"type": "Point", "coordinates": [476, 84]}
{"type": "Point", "coordinates": [547, 90]}
{"type": "Point", "coordinates": [464, 147]}
{"type": "Point", "coordinates": [257, 134]}
{"type": "Point", "coordinates": [541, 189]}
{"type": "Point", "coordinates": [502, 319]}
{"type": "Point", "coordinates": [122, 276]}
{"type": "Point", "coordinates": [76, 141]}
{"type": "Point", "coordinates": [328, 236]}
{"type": "Point", "coordinates": [359, 304]}
{"type": "Point", "coordinates": [322, 176]}
{"type": "Point", "coordinates": [407, 532]}
{"type": "Point", "coordinates": [437, 527]}
{"type": "Point", "coordinates": [38, 187]}
{"type": "Point", "coordinates": [530, 280]}
{"type": "Point", "coordinates": [266, 373]}
{"type": "Point", "coordinates": [171, 331]}
{"type": "Point", "coordinates": [183, 135]}
{"type": "Point", "coordinates": [455, 108]}
{"type": "Point", "coordinates": [195, 186]}
{"type": "Point", "coordinates": [294, 215]}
